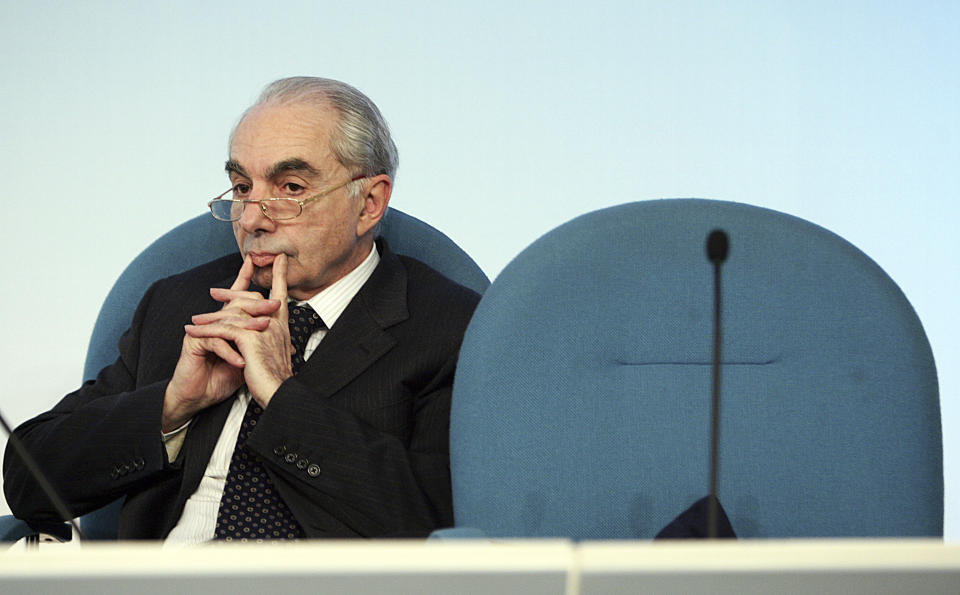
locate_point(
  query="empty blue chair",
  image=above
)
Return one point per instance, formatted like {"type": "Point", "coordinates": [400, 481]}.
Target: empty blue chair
{"type": "Point", "coordinates": [582, 397]}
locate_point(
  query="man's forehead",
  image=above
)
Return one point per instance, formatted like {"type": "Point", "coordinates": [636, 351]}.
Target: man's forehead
{"type": "Point", "coordinates": [272, 139]}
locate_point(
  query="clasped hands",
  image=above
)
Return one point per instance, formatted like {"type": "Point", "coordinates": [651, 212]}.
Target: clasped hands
{"type": "Point", "coordinates": [245, 342]}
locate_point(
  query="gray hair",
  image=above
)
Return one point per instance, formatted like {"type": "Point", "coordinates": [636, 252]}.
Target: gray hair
{"type": "Point", "coordinates": [361, 140]}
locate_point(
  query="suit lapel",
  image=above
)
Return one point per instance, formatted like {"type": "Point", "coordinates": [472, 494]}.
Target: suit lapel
{"type": "Point", "coordinates": [360, 337]}
{"type": "Point", "coordinates": [198, 445]}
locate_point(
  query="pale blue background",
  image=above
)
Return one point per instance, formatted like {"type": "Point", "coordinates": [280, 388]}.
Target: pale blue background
{"type": "Point", "coordinates": [511, 118]}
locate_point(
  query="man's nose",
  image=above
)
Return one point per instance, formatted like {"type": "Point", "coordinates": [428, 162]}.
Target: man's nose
{"type": "Point", "coordinates": [253, 220]}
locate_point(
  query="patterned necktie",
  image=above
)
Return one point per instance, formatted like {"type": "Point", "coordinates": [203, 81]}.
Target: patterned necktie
{"type": "Point", "coordinates": [251, 509]}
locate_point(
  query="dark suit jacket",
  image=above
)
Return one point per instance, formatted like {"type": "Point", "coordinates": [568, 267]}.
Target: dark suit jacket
{"type": "Point", "coordinates": [356, 443]}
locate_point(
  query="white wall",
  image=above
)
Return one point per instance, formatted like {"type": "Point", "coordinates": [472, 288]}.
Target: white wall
{"type": "Point", "coordinates": [511, 118]}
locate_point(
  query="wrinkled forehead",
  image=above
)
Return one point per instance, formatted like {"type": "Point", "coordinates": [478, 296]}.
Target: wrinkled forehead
{"type": "Point", "coordinates": [317, 113]}
{"type": "Point", "coordinates": [276, 138]}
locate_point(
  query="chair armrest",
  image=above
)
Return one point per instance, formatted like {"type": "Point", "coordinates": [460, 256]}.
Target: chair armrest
{"type": "Point", "coordinates": [458, 533]}
{"type": "Point", "coordinates": [13, 529]}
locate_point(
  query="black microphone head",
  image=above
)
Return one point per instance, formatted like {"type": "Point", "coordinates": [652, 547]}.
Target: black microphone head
{"type": "Point", "coordinates": [718, 246]}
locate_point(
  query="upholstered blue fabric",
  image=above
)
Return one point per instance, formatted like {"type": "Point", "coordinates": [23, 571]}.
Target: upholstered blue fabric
{"type": "Point", "coordinates": [582, 396]}
{"type": "Point", "coordinates": [200, 240]}
{"type": "Point", "coordinates": [13, 529]}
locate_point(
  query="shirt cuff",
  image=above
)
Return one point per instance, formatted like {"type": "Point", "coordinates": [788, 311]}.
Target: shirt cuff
{"type": "Point", "coordinates": [173, 441]}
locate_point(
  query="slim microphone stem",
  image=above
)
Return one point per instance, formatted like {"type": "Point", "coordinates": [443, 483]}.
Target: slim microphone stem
{"type": "Point", "coordinates": [718, 246]}
{"type": "Point", "coordinates": [41, 478]}
{"type": "Point", "coordinates": [715, 405]}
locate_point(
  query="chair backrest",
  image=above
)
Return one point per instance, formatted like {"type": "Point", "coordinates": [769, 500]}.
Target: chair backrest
{"type": "Point", "coordinates": [203, 239]}
{"type": "Point", "coordinates": [582, 397]}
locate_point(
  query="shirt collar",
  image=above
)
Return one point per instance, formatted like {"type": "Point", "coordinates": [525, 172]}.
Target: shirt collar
{"type": "Point", "coordinates": [332, 301]}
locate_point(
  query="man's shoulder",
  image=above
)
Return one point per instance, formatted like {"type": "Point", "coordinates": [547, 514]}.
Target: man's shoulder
{"type": "Point", "coordinates": [210, 274]}
{"type": "Point", "coordinates": [183, 294]}
{"type": "Point", "coordinates": [427, 285]}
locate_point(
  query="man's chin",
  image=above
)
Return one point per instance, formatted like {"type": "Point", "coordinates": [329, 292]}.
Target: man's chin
{"type": "Point", "coordinates": [263, 276]}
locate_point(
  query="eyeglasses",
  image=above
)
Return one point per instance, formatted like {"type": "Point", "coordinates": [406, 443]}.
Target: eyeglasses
{"type": "Point", "coordinates": [277, 209]}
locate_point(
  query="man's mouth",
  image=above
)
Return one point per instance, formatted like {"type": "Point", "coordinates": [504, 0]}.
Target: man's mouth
{"type": "Point", "coordinates": [262, 259]}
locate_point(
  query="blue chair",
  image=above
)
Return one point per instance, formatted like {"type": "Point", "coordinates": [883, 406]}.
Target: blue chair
{"type": "Point", "coordinates": [582, 397]}
{"type": "Point", "coordinates": [200, 240]}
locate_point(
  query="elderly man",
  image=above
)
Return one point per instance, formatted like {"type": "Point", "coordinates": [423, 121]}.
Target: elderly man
{"type": "Point", "coordinates": [300, 388]}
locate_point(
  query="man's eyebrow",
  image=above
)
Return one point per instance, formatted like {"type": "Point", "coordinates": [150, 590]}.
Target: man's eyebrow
{"type": "Point", "coordinates": [232, 166]}
{"type": "Point", "coordinates": [292, 165]}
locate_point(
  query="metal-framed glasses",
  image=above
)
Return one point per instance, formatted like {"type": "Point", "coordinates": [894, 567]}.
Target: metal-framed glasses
{"type": "Point", "coordinates": [227, 207]}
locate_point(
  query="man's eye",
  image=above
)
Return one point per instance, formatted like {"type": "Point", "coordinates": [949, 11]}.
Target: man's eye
{"type": "Point", "coordinates": [241, 190]}
{"type": "Point", "coordinates": [291, 188]}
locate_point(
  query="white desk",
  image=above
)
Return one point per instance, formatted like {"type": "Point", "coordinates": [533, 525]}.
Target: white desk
{"type": "Point", "coordinates": [502, 567]}
{"type": "Point", "coordinates": [850, 567]}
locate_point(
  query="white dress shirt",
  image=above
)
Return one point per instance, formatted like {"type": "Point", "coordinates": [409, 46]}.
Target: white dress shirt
{"type": "Point", "coordinates": [198, 522]}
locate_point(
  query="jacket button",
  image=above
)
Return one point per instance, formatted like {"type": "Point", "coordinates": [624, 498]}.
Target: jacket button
{"type": "Point", "coordinates": [313, 470]}
{"type": "Point", "coordinates": [280, 450]}
{"type": "Point", "coordinates": [115, 472]}
{"type": "Point", "coordinates": [291, 457]}
{"type": "Point", "coordinates": [302, 463]}
{"type": "Point", "coordinates": [139, 463]}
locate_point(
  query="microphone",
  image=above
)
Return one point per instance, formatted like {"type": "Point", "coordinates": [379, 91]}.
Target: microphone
{"type": "Point", "coordinates": [718, 247]}
{"type": "Point", "coordinates": [34, 470]}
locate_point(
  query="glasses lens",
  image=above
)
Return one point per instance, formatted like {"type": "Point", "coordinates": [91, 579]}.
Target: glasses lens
{"type": "Point", "coordinates": [281, 208]}
{"type": "Point", "coordinates": [225, 209]}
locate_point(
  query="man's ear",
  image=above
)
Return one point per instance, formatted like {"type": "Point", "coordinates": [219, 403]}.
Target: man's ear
{"type": "Point", "coordinates": [376, 197]}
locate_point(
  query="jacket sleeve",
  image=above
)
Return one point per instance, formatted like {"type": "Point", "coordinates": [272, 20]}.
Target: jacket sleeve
{"type": "Point", "coordinates": [97, 443]}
